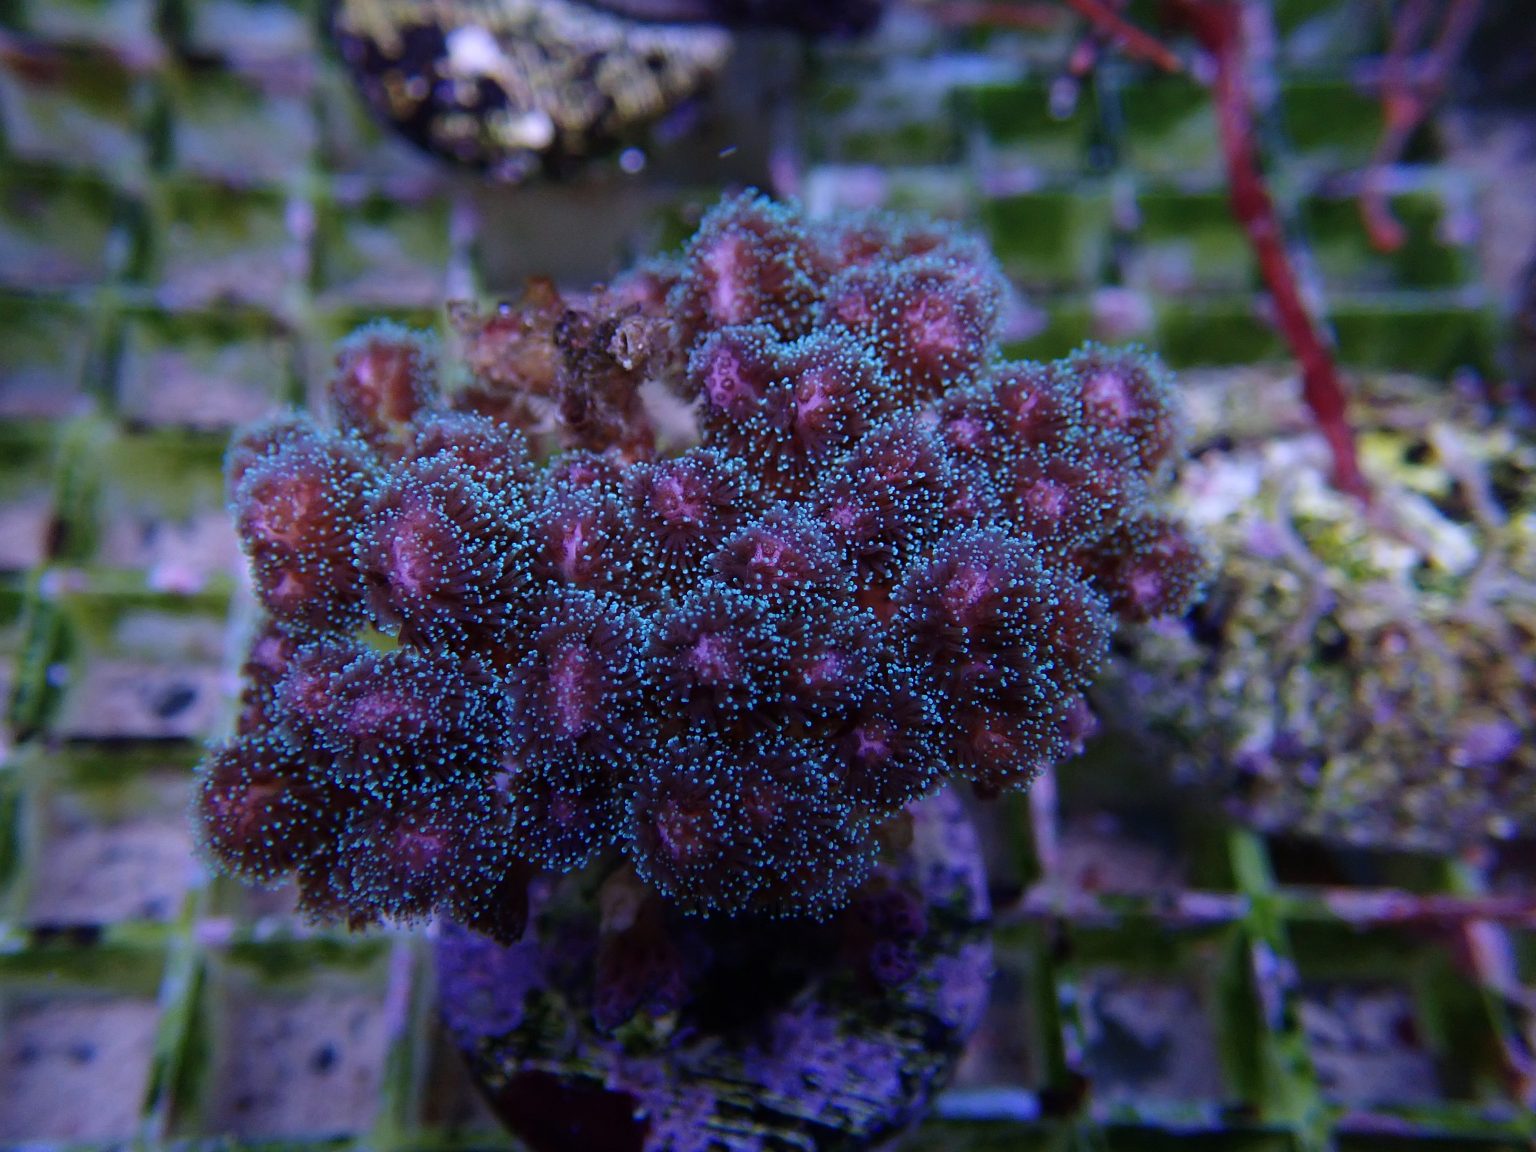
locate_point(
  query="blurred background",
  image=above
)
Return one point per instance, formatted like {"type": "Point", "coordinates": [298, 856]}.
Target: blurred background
{"type": "Point", "coordinates": [194, 204]}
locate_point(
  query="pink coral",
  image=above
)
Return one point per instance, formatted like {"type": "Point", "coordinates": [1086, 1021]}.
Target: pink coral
{"type": "Point", "coordinates": [892, 558]}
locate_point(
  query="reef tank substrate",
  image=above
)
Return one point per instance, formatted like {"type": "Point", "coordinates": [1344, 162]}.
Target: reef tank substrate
{"type": "Point", "coordinates": [569, 670]}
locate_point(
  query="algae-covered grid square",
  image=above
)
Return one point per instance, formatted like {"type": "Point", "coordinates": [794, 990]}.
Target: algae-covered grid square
{"type": "Point", "coordinates": [1144, 853]}
{"type": "Point", "coordinates": [78, 109]}
{"type": "Point", "coordinates": [1014, 1060]}
{"type": "Point", "coordinates": [1366, 1139]}
{"type": "Point", "coordinates": [247, 33]}
{"type": "Point", "coordinates": [1051, 240]}
{"type": "Point", "coordinates": [1330, 125]}
{"type": "Point", "coordinates": [1439, 231]}
{"type": "Point", "coordinates": [1393, 1025]}
{"type": "Point", "coordinates": [1167, 130]}
{"type": "Point", "coordinates": [1186, 242]}
{"type": "Point", "coordinates": [1161, 1020]}
{"type": "Point", "coordinates": [28, 454]}
{"type": "Point", "coordinates": [124, 28]}
{"type": "Point", "coordinates": [133, 665]}
{"type": "Point", "coordinates": [1220, 329]}
{"type": "Point", "coordinates": [1435, 334]}
{"type": "Point", "coordinates": [79, 1030]}
{"type": "Point", "coordinates": [105, 838]}
{"type": "Point", "coordinates": [1122, 833]}
{"type": "Point", "coordinates": [289, 1039]}
{"type": "Point", "coordinates": [1014, 125]}
{"type": "Point", "coordinates": [14, 604]}
{"type": "Point", "coordinates": [60, 229]}
{"type": "Point", "coordinates": [213, 247]}
{"type": "Point", "coordinates": [1325, 35]}
{"type": "Point", "coordinates": [377, 253]}
{"type": "Point", "coordinates": [1213, 1136]}
{"type": "Point", "coordinates": [251, 127]}
{"type": "Point", "coordinates": [50, 361]}
{"type": "Point", "coordinates": [1053, 324]}
{"type": "Point", "coordinates": [163, 515]}
{"type": "Point", "coordinates": [1308, 865]}
{"type": "Point", "coordinates": [889, 123]}
{"type": "Point", "coordinates": [144, 510]}
{"type": "Point", "coordinates": [205, 370]}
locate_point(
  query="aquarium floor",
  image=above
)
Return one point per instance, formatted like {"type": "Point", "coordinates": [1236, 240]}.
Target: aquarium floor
{"type": "Point", "coordinates": [192, 207]}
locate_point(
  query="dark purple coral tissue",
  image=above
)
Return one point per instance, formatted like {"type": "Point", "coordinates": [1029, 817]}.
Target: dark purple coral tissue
{"type": "Point", "coordinates": [706, 575]}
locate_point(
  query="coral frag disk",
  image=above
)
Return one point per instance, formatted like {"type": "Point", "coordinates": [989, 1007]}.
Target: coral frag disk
{"type": "Point", "coordinates": [514, 87]}
{"type": "Point", "coordinates": [707, 575]}
{"type": "Point", "coordinates": [805, 1035]}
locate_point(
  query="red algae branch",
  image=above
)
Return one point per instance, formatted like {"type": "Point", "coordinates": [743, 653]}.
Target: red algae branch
{"type": "Point", "coordinates": [1218, 26]}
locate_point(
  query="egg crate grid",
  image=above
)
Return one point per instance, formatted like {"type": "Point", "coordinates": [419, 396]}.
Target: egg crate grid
{"type": "Point", "coordinates": [1159, 974]}
{"type": "Point", "coordinates": [1109, 210]}
{"type": "Point", "coordinates": [1159, 971]}
{"type": "Point", "coordinates": [192, 208]}
{"type": "Point", "coordinates": [208, 157]}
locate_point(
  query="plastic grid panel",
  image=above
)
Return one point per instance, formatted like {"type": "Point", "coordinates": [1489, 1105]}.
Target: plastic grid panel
{"type": "Point", "coordinates": [192, 209]}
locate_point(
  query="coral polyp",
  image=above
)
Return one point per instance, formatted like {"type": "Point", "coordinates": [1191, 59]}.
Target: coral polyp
{"type": "Point", "coordinates": [523, 624]}
{"type": "Point", "coordinates": [300, 500]}
{"type": "Point", "coordinates": [385, 376]}
{"type": "Point", "coordinates": [257, 809]}
{"type": "Point", "coordinates": [441, 553]}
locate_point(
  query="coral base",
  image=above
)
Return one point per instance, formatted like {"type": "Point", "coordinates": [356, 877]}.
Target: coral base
{"type": "Point", "coordinates": [791, 1035]}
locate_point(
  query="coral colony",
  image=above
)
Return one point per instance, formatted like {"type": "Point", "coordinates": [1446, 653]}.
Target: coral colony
{"type": "Point", "coordinates": [515, 627]}
{"type": "Point", "coordinates": [514, 87]}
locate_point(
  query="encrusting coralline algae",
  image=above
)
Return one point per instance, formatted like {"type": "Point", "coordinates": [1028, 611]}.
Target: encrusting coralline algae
{"type": "Point", "coordinates": [1363, 675]}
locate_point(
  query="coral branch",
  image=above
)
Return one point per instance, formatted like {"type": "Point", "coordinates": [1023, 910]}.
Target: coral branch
{"type": "Point", "coordinates": [1102, 17]}
{"type": "Point", "coordinates": [1132, 40]}
{"type": "Point", "coordinates": [1217, 25]}
{"type": "Point", "coordinates": [1409, 90]}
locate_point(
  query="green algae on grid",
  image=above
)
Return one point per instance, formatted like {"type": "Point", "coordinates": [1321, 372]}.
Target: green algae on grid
{"type": "Point", "coordinates": [1055, 239]}
{"type": "Point", "coordinates": [57, 229]}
